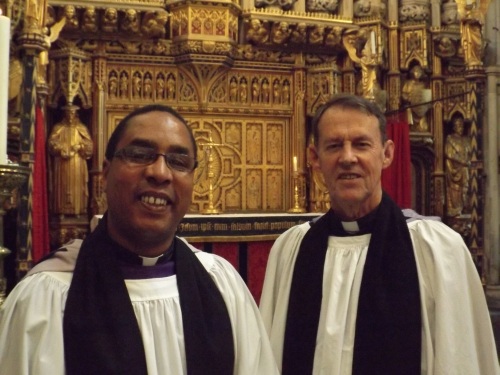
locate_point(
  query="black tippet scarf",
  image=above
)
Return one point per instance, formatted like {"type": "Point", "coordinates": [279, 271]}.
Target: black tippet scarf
{"type": "Point", "coordinates": [388, 324]}
{"type": "Point", "coordinates": [101, 333]}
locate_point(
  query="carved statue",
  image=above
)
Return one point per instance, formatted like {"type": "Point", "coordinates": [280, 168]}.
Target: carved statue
{"type": "Point", "coordinates": [472, 37]}
{"type": "Point", "coordinates": [280, 32]}
{"type": "Point", "coordinates": [153, 24]}
{"type": "Point", "coordinates": [317, 35]}
{"type": "Point", "coordinates": [89, 23]}
{"type": "Point", "coordinates": [257, 33]}
{"type": "Point", "coordinates": [72, 22]}
{"type": "Point", "coordinates": [34, 15]}
{"type": "Point", "coordinates": [445, 47]}
{"type": "Point", "coordinates": [457, 155]}
{"type": "Point", "coordinates": [299, 35]}
{"type": "Point", "coordinates": [333, 36]}
{"type": "Point", "coordinates": [109, 22]}
{"type": "Point", "coordinates": [70, 145]}
{"type": "Point", "coordinates": [130, 21]}
{"type": "Point", "coordinates": [113, 85]}
{"type": "Point", "coordinates": [367, 59]}
{"type": "Point", "coordinates": [416, 94]}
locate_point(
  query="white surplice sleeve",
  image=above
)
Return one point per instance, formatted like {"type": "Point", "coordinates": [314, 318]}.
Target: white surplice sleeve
{"type": "Point", "coordinates": [31, 327]}
{"type": "Point", "coordinates": [253, 354]}
{"type": "Point", "coordinates": [457, 335]}
{"type": "Point", "coordinates": [277, 282]}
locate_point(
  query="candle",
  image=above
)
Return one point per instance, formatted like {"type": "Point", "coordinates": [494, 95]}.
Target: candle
{"type": "Point", "coordinates": [4, 86]}
{"type": "Point", "coordinates": [372, 37]}
{"type": "Point", "coordinates": [295, 164]}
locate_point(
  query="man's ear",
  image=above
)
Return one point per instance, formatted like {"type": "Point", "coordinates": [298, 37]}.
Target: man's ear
{"type": "Point", "coordinates": [105, 170]}
{"type": "Point", "coordinates": [388, 153]}
{"type": "Point", "coordinates": [313, 156]}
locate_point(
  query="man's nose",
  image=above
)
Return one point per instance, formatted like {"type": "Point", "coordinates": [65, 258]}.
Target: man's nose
{"type": "Point", "coordinates": [159, 170]}
{"type": "Point", "coordinates": [347, 154]}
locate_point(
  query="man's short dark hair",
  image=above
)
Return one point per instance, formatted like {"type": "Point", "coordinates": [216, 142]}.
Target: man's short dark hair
{"type": "Point", "coordinates": [117, 134]}
{"type": "Point", "coordinates": [352, 102]}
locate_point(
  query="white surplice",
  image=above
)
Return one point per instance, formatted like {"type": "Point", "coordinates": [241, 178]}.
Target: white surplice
{"type": "Point", "coordinates": [457, 335]}
{"type": "Point", "coordinates": [31, 321]}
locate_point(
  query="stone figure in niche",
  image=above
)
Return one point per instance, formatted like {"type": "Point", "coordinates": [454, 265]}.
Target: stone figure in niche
{"type": "Point", "coordinates": [299, 34]}
{"type": "Point", "coordinates": [113, 85]}
{"type": "Point", "coordinates": [333, 36]}
{"type": "Point", "coordinates": [254, 145]}
{"type": "Point", "coordinates": [89, 23]}
{"type": "Point", "coordinates": [417, 96]}
{"type": "Point", "coordinates": [233, 90]}
{"type": "Point", "coordinates": [276, 92]}
{"type": "Point", "coordinates": [71, 146]}
{"type": "Point", "coordinates": [153, 24]}
{"type": "Point", "coordinates": [258, 33]}
{"type": "Point", "coordinates": [148, 86]}
{"type": "Point", "coordinates": [130, 21]}
{"type": "Point", "coordinates": [72, 22]}
{"type": "Point", "coordinates": [243, 91]}
{"type": "Point", "coordinates": [457, 160]}
{"type": "Point", "coordinates": [110, 19]}
{"type": "Point", "coordinates": [123, 85]}
{"type": "Point", "coordinates": [255, 91]}
{"type": "Point", "coordinates": [265, 91]}
{"type": "Point", "coordinates": [160, 87]}
{"type": "Point", "coordinates": [136, 85]}
{"type": "Point", "coordinates": [253, 192]}
{"type": "Point", "coordinates": [317, 35]}
{"type": "Point", "coordinates": [171, 87]}
{"type": "Point", "coordinates": [280, 32]}
{"type": "Point", "coordinates": [274, 145]}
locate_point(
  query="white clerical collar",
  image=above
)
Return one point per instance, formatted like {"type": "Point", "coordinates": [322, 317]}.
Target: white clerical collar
{"type": "Point", "coordinates": [150, 261]}
{"type": "Point", "coordinates": [350, 227]}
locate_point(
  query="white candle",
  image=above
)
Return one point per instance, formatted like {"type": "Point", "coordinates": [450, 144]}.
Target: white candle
{"type": "Point", "coordinates": [374, 47]}
{"type": "Point", "coordinates": [295, 164]}
{"type": "Point", "coordinates": [4, 84]}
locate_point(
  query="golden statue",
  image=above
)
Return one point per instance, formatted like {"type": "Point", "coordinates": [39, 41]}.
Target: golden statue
{"type": "Point", "coordinates": [457, 155]}
{"type": "Point", "coordinates": [363, 51]}
{"type": "Point", "coordinates": [471, 27]}
{"type": "Point", "coordinates": [70, 145]}
{"type": "Point", "coordinates": [418, 97]}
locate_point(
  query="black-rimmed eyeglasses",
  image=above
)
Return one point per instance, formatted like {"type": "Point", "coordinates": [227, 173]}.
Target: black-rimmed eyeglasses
{"type": "Point", "coordinates": [137, 155]}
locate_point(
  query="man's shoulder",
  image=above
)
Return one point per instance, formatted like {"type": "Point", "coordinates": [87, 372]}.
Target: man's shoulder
{"type": "Point", "coordinates": [60, 260]}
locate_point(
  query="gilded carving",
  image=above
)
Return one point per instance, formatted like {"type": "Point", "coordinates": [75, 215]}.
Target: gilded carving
{"type": "Point", "coordinates": [89, 24]}
{"type": "Point", "coordinates": [130, 21]}
{"type": "Point", "coordinates": [71, 145]}
{"type": "Point", "coordinates": [280, 32]}
{"type": "Point", "coordinates": [110, 20]}
{"type": "Point", "coordinates": [458, 152]}
{"type": "Point", "coordinates": [153, 24]}
{"type": "Point", "coordinates": [417, 95]}
{"type": "Point", "coordinates": [258, 33]}
{"type": "Point", "coordinates": [471, 28]}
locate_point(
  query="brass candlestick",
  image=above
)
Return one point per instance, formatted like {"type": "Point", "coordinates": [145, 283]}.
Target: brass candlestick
{"type": "Point", "coordinates": [297, 208]}
{"type": "Point", "coordinates": [211, 209]}
{"type": "Point", "coordinates": [12, 176]}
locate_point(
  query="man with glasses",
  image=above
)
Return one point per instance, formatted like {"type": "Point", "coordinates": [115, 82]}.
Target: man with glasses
{"type": "Point", "coordinates": [133, 298]}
